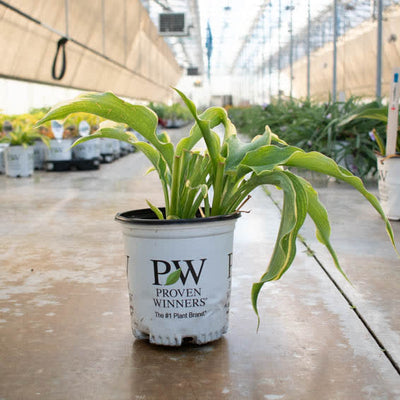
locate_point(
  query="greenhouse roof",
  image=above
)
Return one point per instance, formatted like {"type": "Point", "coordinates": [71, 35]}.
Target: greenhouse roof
{"type": "Point", "coordinates": [121, 45]}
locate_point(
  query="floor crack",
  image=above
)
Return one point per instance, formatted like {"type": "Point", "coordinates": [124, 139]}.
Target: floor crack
{"type": "Point", "coordinates": [353, 307]}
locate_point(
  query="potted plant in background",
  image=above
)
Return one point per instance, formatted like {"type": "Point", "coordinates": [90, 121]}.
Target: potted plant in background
{"type": "Point", "coordinates": [351, 145]}
{"type": "Point", "coordinates": [59, 154]}
{"type": "Point", "coordinates": [19, 160]}
{"type": "Point", "coordinates": [86, 155]}
{"type": "Point", "coordinates": [179, 256]}
{"type": "Point", "coordinates": [388, 165]}
{"type": "Point", "coordinates": [40, 149]}
{"type": "Point", "coordinates": [5, 128]}
{"type": "Point", "coordinates": [2, 160]}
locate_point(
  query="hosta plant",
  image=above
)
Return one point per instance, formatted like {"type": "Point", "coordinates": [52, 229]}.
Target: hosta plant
{"type": "Point", "coordinates": [218, 180]}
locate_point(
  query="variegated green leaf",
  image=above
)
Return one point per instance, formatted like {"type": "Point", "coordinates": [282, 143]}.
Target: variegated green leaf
{"type": "Point", "coordinates": [294, 211]}
{"type": "Point", "coordinates": [318, 162]}
{"type": "Point", "coordinates": [212, 141]}
{"type": "Point", "coordinates": [237, 150]}
{"type": "Point", "coordinates": [155, 210]}
{"type": "Point", "coordinates": [319, 215]}
{"type": "Point", "coordinates": [215, 116]}
{"type": "Point", "coordinates": [198, 194]}
{"type": "Point", "coordinates": [267, 157]}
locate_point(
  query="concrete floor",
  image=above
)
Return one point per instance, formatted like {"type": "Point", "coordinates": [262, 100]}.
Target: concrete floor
{"type": "Point", "coordinates": [64, 316]}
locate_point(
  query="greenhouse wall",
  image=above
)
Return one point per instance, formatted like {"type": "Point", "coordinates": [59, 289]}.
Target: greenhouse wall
{"type": "Point", "coordinates": [356, 61]}
{"type": "Point", "coordinates": [108, 40]}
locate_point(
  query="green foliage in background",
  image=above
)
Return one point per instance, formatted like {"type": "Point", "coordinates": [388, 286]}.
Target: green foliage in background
{"type": "Point", "coordinates": [175, 111]}
{"type": "Point", "coordinates": [331, 128]}
{"type": "Point", "coordinates": [375, 112]}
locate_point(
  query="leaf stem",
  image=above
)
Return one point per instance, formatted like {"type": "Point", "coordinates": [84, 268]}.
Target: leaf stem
{"type": "Point", "coordinates": [218, 188]}
{"type": "Point", "coordinates": [175, 185]}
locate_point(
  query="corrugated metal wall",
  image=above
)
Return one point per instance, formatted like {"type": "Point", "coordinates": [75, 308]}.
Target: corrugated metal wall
{"type": "Point", "coordinates": [137, 63]}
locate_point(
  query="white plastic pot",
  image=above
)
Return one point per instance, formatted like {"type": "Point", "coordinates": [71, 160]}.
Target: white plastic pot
{"type": "Point", "coordinates": [125, 147]}
{"type": "Point", "coordinates": [107, 149]}
{"type": "Point", "coordinates": [3, 147]}
{"type": "Point", "coordinates": [39, 154]}
{"type": "Point", "coordinates": [87, 150]}
{"type": "Point", "coordinates": [116, 148]}
{"type": "Point", "coordinates": [59, 150]}
{"type": "Point", "coordinates": [194, 308]}
{"type": "Point", "coordinates": [106, 146]}
{"type": "Point", "coordinates": [19, 161]}
{"type": "Point", "coordinates": [389, 185]}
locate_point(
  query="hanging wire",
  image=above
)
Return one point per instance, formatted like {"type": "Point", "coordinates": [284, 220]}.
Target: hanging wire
{"type": "Point", "coordinates": [60, 45]}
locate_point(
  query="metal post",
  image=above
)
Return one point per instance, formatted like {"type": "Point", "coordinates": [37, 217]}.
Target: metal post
{"type": "Point", "coordinates": [125, 34]}
{"type": "Point", "coordinates": [308, 48]}
{"type": "Point", "coordinates": [279, 50]}
{"type": "Point", "coordinates": [270, 56]}
{"type": "Point", "coordinates": [378, 91]}
{"type": "Point", "coordinates": [103, 27]}
{"type": "Point", "coordinates": [246, 76]}
{"type": "Point", "coordinates": [264, 40]}
{"type": "Point", "coordinates": [335, 35]}
{"type": "Point", "coordinates": [291, 49]}
{"type": "Point", "coordinates": [252, 77]}
{"type": "Point", "coordinates": [243, 78]}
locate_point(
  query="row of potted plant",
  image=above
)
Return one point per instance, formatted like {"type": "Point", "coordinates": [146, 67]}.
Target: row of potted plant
{"type": "Point", "coordinates": [24, 148]}
{"type": "Point", "coordinates": [170, 116]}
{"type": "Point", "coordinates": [54, 153]}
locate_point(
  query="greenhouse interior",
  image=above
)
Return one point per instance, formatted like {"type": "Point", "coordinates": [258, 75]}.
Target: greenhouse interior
{"type": "Point", "coordinates": [177, 181]}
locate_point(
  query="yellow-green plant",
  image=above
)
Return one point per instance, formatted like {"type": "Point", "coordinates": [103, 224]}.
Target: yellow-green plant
{"type": "Point", "coordinates": [23, 136]}
{"type": "Point", "coordinates": [75, 119]}
{"type": "Point", "coordinates": [229, 169]}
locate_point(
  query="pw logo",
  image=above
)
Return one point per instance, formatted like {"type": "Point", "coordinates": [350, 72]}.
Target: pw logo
{"type": "Point", "coordinates": [162, 267]}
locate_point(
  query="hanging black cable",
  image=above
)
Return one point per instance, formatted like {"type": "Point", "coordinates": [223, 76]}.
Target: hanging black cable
{"type": "Point", "coordinates": [60, 45]}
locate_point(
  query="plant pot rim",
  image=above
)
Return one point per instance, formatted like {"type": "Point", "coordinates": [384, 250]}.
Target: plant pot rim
{"type": "Point", "coordinates": [383, 159]}
{"type": "Point", "coordinates": [146, 216]}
